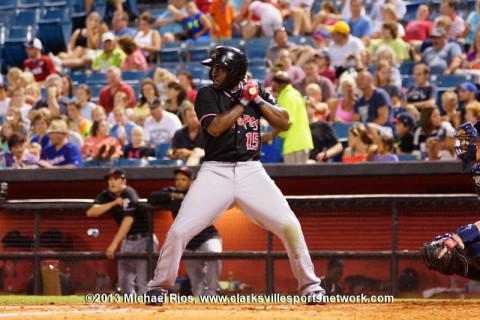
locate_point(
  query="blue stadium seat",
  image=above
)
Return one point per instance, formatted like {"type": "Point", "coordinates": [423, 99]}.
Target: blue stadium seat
{"type": "Point", "coordinates": [55, 28]}
{"type": "Point", "coordinates": [78, 77]}
{"type": "Point", "coordinates": [58, 3]}
{"type": "Point", "coordinates": [408, 81]}
{"type": "Point", "coordinates": [97, 78]}
{"type": "Point", "coordinates": [288, 25]}
{"type": "Point", "coordinates": [257, 47]}
{"type": "Point", "coordinates": [14, 53]}
{"type": "Point", "coordinates": [161, 150]}
{"type": "Point", "coordinates": [26, 17]}
{"type": "Point", "coordinates": [198, 51]}
{"type": "Point", "coordinates": [29, 4]}
{"type": "Point", "coordinates": [235, 42]}
{"type": "Point", "coordinates": [131, 163]}
{"type": "Point", "coordinates": [407, 157]}
{"type": "Point", "coordinates": [406, 68]}
{"type": "Point", "coordinates": [170, 52]}
{"type": "Point", "coordinates": [258, 73]}
{"type": "Point", "coordinates": [95, 163]}
{"type": "Point", "coordinates": [166, 162]}
{"type": "Point", "coordinates": [95, 89]}
{"type": "Point", "coordinates": [342, 130]}
{"type": "Point", "coordinates": [272, 153]}
{"type": "Point", "coordinates": [19, 34]}
{"type": "Point", "coordinates": [450, 80]}
{"type": "Point", "coordinates": [135, 77]}
{"type": "Point", "coordinates": [6, 18]}
{"type": "Point", "coordinates": [8, 5]}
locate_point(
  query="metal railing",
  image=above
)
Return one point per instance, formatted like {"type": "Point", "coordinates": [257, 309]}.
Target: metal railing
{"type": "Point", "coordinates": [298, 203]}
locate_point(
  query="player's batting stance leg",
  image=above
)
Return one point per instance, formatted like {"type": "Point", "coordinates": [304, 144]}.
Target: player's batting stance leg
{"type": "Point", "coordinates": [230, 112]}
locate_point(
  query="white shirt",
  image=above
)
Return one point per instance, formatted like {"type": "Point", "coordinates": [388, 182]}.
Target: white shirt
{"type": "Point", "coordinates": [4, 105]}
{"type": "Point", "coordinates": [144, 40]}
{"type": "Point", "coordinates": [162, 131]}
{"type": "Point", "coordinates": [338, 53]}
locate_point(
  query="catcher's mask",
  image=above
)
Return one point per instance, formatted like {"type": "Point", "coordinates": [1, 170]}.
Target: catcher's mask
{"type": "Point", "coordinates": [232, 59]}
{"type": "Point", "coordinates": [466, 146]}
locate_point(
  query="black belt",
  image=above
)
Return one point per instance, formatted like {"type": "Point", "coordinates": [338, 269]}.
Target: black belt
{"type": "Point", "coordinates": [137, 236]}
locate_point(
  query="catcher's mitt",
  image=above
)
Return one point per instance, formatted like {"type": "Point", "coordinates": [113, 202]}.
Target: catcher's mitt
{"type": "Point", "coordinates": [452, 262]}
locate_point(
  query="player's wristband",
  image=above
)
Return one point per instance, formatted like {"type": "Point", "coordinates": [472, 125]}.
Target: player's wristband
{"type": "Point", "coordinates": [469, 233]}
{"type": "Point", "coordinates": [244, 102]}
{"type": "Point", "coordinates": [258, 100]}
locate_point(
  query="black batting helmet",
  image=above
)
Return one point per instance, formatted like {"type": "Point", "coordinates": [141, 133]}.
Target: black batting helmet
{"type": "Point", "coordinates": [232, 59]}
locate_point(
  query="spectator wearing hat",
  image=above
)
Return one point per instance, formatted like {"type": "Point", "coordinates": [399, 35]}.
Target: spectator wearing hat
{"type": "Point", "coordinates": [421, 94]}
{"type": "Point", "coordinates": [161, 126]}
{"type": "Point", "coordinates": [344, 44]}
{"type": "Point", "coordinates": [297, 140]}
{"type": "Point", "coordinates": [109, 56]}
{"type": "Point", "coordinates": [60, 153]}
{"type": "Point", "coordinates": [323, 60]}
{"type": "Point", "coordinates": [447, 8]}
{"type": "Point", "coordinates": [443, 57]}
{"type": "Point", "coordinates": [203, 274]}
{"type": "Point", "coordinates": [404, 128]}
{"type": "Point", "coordinates": [360, 24]}
{"type": "Point", "coordinates": [188, 143]}
{"type": "Point", "coordinates": [115, 84]}
{"type": "Point", "coordinates": [39, 65]}
{"type": "Point", "coordinates": [121, 202]}
{"type": "Point", "coordinates": [467, 93]}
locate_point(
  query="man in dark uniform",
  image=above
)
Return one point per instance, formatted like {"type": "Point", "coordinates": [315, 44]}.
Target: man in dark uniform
{"type": "Point", "coordinates": [229, 113]}
{"type": "Point", "coordinates": [121, 201]}
{"type": "Point", "coordinates": [203, 274]}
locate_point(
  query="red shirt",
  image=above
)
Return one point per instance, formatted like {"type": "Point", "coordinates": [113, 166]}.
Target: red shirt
{"type": "Point", "coordinates": [41, 68]}
{"type": "Point", "coordinates": [330, 74]}
{"type": "Point", "coordinates": [192, 94]}
{"type": "Point", "coordinates": [106, 96]}
{"type": "Point", "coordinates": [418, 30]}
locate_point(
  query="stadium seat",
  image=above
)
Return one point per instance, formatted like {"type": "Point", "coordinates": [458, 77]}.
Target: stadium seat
{"type": "Point", "coordinates": [258, 72]}
{"type": "Point", "coordinates": [95, 163]}
{"type": "Point", "coordinates": [257, 48]}
{"type": "Point", "coordinates": [166, 162]}
{"type": "Point", "coordinates": [408, 81]}
{"type": "Point", "coordinates": [407, 157]}
{"type": "Point", "coordinates": [342, 130]}
{"type": "Point", "coordinates": [78, 77]}
{"type": "Point", "coordinates": [135, 77]}
{"type": "Point", "coordinates": [7, 5]}
{"type": "Point", "coordinates": [272, 153]}
{"type": "Point", "coordinates": [161, 150]}
{"type": "Point", "coordinates": [406, 68]}
{"type": "Point", "coordinates": [55, 28]}
{"type": "Point", "coordinates": [6, 18]}
{"type": "Point", "coordinates": [95, 89]}
{"type": "Point", "coordinates": [170, 52]}
{"type": "Point", "coordinates": [235, 42]}
{"type": "Point", "coordinates": [198, 51]}
{"type": "Point", "coordinates": [57, 3]}
{"type": "Point", "coordinates": [26, 17]}
{"type": "Point", "coordinates": [131, 163]}
{"type": "Point", "coordinates": [19, 34]}
{"type": "Point", "coordinates": [14, 53]}
{"type": "Point", "coordinates": [28, 4]}
{"type": "Point", "coordinates": [97, 78]}
{"type": "Point", "coordinates": [450, 80]}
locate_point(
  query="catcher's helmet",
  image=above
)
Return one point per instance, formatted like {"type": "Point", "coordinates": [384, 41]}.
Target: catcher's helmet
{"type": "Point", "coordinates": [466, 147]}
{"type": "Point", "coordinates": [232, 59]}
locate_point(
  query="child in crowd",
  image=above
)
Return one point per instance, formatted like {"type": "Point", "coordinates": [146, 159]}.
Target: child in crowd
{"type": "Point", "coordinates": [472, 111]}
{"type": "Point", "coordinates": [436, 150]}
{"type": "Point", "coordinates": [84, 96]}
{"type": "Point", "coordinates": [385, 150]}
{"type": "Point", "coordinates": [137, 149]}
{"type": "Point", "coordinates": [76, 122]}
{"type": "Point", "coordinates": [120, 100]}
{"type": "Point", "coordinates": [98, 113]}
{"type": "Point", "coordinates": [450, 106]}
{"type": "Point", "coordinates": [404, 128]}
{"type": "Point", "coordinates": [314, 95]}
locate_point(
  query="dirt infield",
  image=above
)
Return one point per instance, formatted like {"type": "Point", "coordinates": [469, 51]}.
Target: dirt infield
{"type": "Point", "coordinates": [431, 309]}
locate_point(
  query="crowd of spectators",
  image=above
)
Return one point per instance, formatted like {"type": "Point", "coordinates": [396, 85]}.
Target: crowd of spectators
{"type": "Point", "coordinates": [338, 68]}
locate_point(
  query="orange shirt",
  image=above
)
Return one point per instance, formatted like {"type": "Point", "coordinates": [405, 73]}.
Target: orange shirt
{"type": "Point", "coordinates": [223, 14]}
{"type": "Point", "coordinates": [92, 144]}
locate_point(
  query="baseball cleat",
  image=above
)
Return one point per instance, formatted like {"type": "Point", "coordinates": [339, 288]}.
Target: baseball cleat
{"type": "Point", "coordinates": [316, 298]}
{"type": "Point", "coordinates": [155, 297]}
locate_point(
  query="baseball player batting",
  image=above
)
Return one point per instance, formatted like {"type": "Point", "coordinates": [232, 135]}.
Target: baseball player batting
{"type": "Point", "coordinates": [229, 112]}
{"type": "Point", "coordinates": [459, 253]}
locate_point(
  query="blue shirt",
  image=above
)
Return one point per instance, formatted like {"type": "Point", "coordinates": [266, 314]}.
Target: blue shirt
{"type": "Point", "coordinates": [473, 19]}
{"type": "Point", "coordinates": [125, 31]}
{"type": "Point", "coordinates": [128, 129]}
{"type": "Point", "coordinates": [368, 109]}
{"type": "Point", "coordinates": [44, 142]}
{"type": "Point", "coordinates": [194, 25]}
{"type": "Point", "coordinates": [68, 154]}
{"type": "Point", "coordinates": [438, 61]}
{"type": "Point", "coordinates": [362, 27]}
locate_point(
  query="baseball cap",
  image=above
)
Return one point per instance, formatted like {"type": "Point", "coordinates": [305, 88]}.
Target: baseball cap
{"type": "Point", "coordinates": [185, 170]}
{"type": "Point", "coordinates": [406, 119]}
{"type": "Point", "coordinates": [155, 104]}
{"type": "Point", "coordinates": [322, 53]}
{"type": "Point", "coordinates": [58, 126]}
{"type": "Point", "coordinates": [116, 172]}
{"type": "Point", "coordinates": [320, 35]}
{"type": "Point", "coordinates": [468, 86]}
{"type": "Point", "coordinates": [439, 32]}
{"type": "Point", "coordinates": [340, 27]}
{"type": "Point", "coordinates": [34, 43]}
{"type": "Point", "coordinates": [108, 36]}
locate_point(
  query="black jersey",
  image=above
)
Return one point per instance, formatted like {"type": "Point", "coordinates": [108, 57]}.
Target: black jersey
{"type": "Point", "coordinates": [130, 208]}
{"type": "Point", "coordinates": [242, 142]}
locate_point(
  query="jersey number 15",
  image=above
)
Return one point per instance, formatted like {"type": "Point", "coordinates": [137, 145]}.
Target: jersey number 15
{"type": "Point", "coordinates": [252, 140]}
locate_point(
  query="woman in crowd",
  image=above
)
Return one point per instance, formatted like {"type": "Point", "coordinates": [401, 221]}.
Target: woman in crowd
{"type": "Point", "coordinates": [99, 145]}
{"type": "Point", "coordinates": [389, 36]}
{"type": "Point", "coordinates": [389, 14]}
{"type": "Point", "coordinates": [360, 145]}
{"type": "Point", "coordinates": [177, 100]}
{"type": "Point", "coordinates": [148, 93]}
{"type": "Point", "coordinates": [147, 38]}
{"type": "Point", "coordinates": [383, 79]}
{"type": "Point", "coordinates": [135, 60]}
{"type": "Point", "coordinates": [40, 130]}
{"type": "Point", "coordinates": [341, 110]}
{"type": "Point", "coordinates": [84, 43]}
{"type": "Point", "coordinates": [186, 81]}
{"type": "Point", "coordinates": [67, 89]}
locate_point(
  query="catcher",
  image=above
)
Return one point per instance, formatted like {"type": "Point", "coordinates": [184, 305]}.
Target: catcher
{"type": "Point", "coordinates": [459, 253]}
